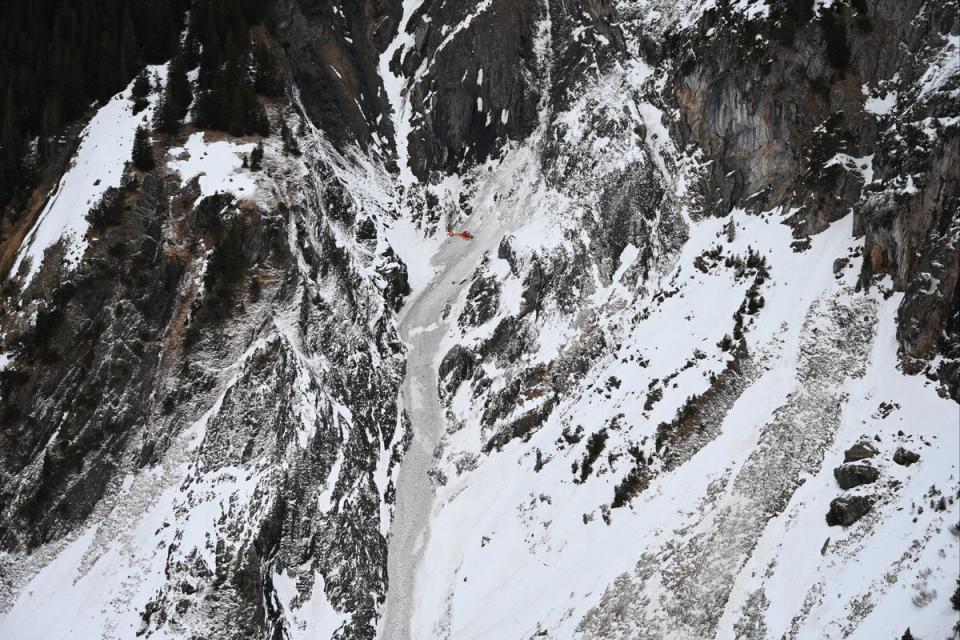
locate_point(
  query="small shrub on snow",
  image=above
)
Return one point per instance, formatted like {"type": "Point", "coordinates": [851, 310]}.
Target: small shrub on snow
{"type": "Point", "coordinates": [595, 445]}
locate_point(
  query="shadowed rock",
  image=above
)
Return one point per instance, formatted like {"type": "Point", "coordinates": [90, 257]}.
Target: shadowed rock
{"type": "Point", "coordinates": [854, 475]}
{"type": "Point", "coordinates": [847, 510]}
{"type": "Point", "coordinates": [905, 457]}
{"type": "Point", "coordinates": [860, 451]}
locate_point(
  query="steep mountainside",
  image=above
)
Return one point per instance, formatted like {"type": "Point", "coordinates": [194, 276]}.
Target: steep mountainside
{"type": "Point", "coordinates": [695, 373]}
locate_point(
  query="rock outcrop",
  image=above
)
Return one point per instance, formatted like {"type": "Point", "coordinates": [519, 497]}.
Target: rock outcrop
{"type": "Point", "coordinates": [853, 475]}
{"type": "Point", "coordinates": [905, 457]}
{"type": "Point", "coordinates": [860, 451]}
{"type": "Point", "coordinates": [848, 510]}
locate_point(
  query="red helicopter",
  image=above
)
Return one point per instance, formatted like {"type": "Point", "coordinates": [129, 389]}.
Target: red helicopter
{"type": "Point", "coordinates": [466, 235]}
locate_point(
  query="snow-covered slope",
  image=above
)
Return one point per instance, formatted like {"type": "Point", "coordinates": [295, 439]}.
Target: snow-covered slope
{"type": "Point", "coordinates": [646, 408]}
{"type": "Point", "coordinates": [97, 165]}
{"type": "Point", "coordinates": [694, 375]}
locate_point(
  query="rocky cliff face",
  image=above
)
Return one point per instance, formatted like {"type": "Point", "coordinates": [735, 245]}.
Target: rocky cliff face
{"type": "Point", "coordinates": [214, 384]}
{"type": "Point", "coordinates": [787, 106]}
{"type": "Point", "coordinates": [695, 375]}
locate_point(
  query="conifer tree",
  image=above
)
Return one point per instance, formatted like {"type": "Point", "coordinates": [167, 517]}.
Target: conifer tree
{"type": "Point", "coordinates": [59, 56]}
{"type": "Point", "coordinates": [139, 92]}
{"type": "Point", "coordinates": [290, 145]}
{"type": "Point", "coordinates": [235, 119]}
{"type": "Point", "coordinates": [108, 211]}
{"type": "Point", "coordinates": [143, 150]}
{"type": "Point", "coordinates": [165, 118]}
{"type": "Point", "coordinates": [257, 120]}
{"type": "Point", "coordinates": [178, 84]}
{"type": "Point", "coordinates": [230, 67]}
{"type": "Point", "coordinates": [267, 74]}
{"type": "Point", "coordinates": [176, 98]}
{"type": "Point", "coordinates": [256, 157]}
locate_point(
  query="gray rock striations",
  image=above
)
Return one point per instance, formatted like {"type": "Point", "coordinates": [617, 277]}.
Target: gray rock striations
{"type": "Point", "coordinates": [242, 353]}
{"type": "Point", "coordinates": [206, 419]}
{"type": "Point", "coordinates": [774, 102]}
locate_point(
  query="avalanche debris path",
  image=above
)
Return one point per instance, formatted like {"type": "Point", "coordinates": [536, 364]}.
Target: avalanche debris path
{"type": "Point", "coordinates": [423, 328]}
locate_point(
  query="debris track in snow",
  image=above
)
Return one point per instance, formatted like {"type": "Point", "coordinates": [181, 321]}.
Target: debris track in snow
{"type": "Point", "coordinates": [423, 328]}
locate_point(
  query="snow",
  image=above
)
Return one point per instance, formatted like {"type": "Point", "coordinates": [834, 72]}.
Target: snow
{"type": "Point", "coordinates": [662, 15]}
{"type": "Point", "coordinates": [945, 65]}
{"type": "Point", "coordinates": [99, 582]}
{"type": "Point", "coordinates": [98, 164]}
{"type": "Point", "coordinates": [396, 91]}
{"type": "Point", "coordinates": [854, 565]}
{"type": "Point", "coordinates": [415, 250]}
{"type": "Point", "coordinates": [530, 563]}
{"type": "Point", "coordinates": [551, 339]}
{"type": "Point", "coordinates": [753, 9]}
{"type": "Point", "coordinates": [312, 618]}
{"type": "Point", "coordinates": [862, 165]}
{"type": "Point", "coordinates": [667, 13]}
{"type": "Point", "coordinates": [881, 105]}
{"type": "Point", "coordinates": [218, 163]}
{"type": "Point", "coordinates": [32, 619]}
{"type": "Point", "coordinates": [420, 328]}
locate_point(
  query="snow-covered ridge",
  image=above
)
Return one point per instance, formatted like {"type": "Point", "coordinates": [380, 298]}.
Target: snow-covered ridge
{"type": "Point", "coordinates": [97, 165]}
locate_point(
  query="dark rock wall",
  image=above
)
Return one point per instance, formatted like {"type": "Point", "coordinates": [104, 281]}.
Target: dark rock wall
{"type": "Point", "coordinates": [450, 130]}
{"type": "Point", "coordinates": [193, 305]}
{"type": "Point", "coordinates": [85, 372]}
{"type": "Point", "coordinates": [772, 101]}
{"type": "Point", "coordinates": [333, 49]}
{"type": "Point", "coordinates": [524, 49]}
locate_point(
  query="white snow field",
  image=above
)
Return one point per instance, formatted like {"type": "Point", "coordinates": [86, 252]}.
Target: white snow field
{"type": "Point", "coordinates": [218, 165]}
{"type": "Point", "coordinates": [509, 554]}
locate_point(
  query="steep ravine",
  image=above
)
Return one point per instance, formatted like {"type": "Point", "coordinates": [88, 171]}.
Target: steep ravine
{"type": "Point", "coordinates": [424, 325]}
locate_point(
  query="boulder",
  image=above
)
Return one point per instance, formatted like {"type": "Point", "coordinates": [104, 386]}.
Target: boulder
{"type": "Point", "coordinates": [860, 451]}
{"type": "Point", "coordinates": [395, 278]}
{"type": "Point", "coordinates": [854, 475]}
{"type": "Point", "coordinates": [846, 510]}
{"type": "Point", "coordinates": [457, 365]}
{"type": "Point", "coordinates": [905, 457]}
{"type": "Point", "coordinates": [533, 286]}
